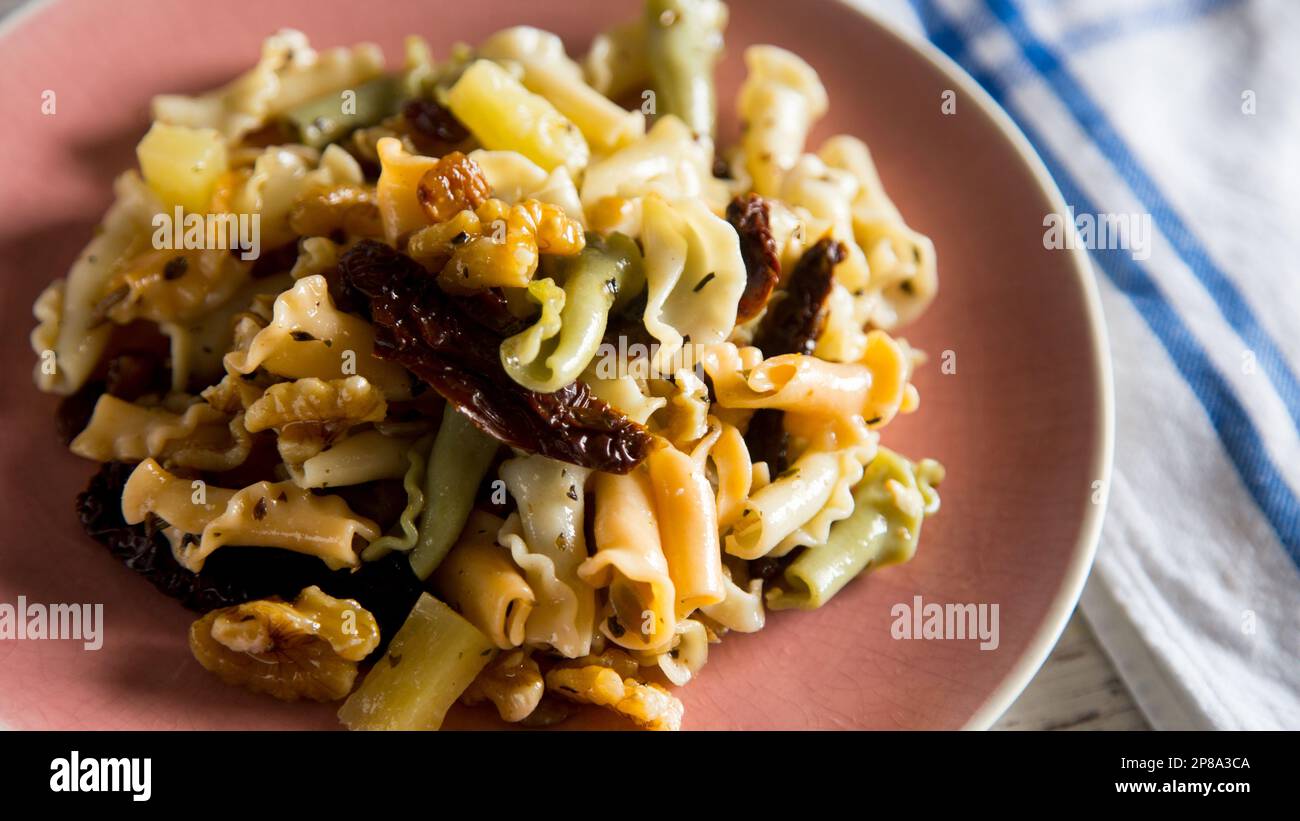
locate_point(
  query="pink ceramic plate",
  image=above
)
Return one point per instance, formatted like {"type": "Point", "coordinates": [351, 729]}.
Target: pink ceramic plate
{"type": "Point", "coordinates": [1023, 425]}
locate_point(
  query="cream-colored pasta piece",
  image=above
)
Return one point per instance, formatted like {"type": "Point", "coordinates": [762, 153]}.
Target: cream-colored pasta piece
{"type": "Point", "coordinates": [396, 192]}
{"type": "Point", "coordinates": [71, 335]}
{"type": "Point", "coordinates": [902, 260]}
{"type": "Point", "coordinates": [308, 336]}
{"type": "Point", "coordinates": [842, 338]}
{"type": "Point", "coordinates": [688, 516]}
{"type": "Point", "coordinates": [685, 419]}
{"type": "Point", "coordinates": [198, 345]}
{"type": "Point", "coordinates": [281, 178]}
{"type": "Point", "coordinates": [200, 437]}
{"type": "Point", "coordinates": [800, 505]}
{"type": "Point", "coordinates": [316, 255]}
{"type": "Point", "coordinates": [617, 63]}
{"type": "Point", "coordinates": [368, 456]}
{"type": "Point", "coordinates": [670, 161]}
{"type": "Point", "coordinates": [512, 176]}
{"type": "Point", "coordinates": [547, 539]}
{"type": "Point", "coordinates": [694, 277]}
{"type": "Point", "coordinates": [310, 414]}
{"type": "Point", "coordinates": [478, 580]}
{"type": "Point", "coordinates": [264, 514]}
{"type": "Point", "coordinates": [290, 72]}
{"type": "Point", "coordinates": [825, 195]}
{"type": "Point", "coordinates": [734, 471]}
{"type": "Point", "coordinates": [742, 609]}
{"type": "Point", "coordinates": [778, 103]}
{"type": "Point", "coordinates": [687, 654]}
{"type": "Point", "coordinates": [620, 390]}
{"type": "Point", "coordinates": [629, 561]}
{"type": "Point", "coordinates": [548, 71]}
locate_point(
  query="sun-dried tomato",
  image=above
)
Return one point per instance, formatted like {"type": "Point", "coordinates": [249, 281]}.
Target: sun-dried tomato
{"type": "Point", "coordinates": [750, 215]}
{"type": "Point", "coordinates": [794, 322]}
{"type": "Point", "coordinates": [440, 340]}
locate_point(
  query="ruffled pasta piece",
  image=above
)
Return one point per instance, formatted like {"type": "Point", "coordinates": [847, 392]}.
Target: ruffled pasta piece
{"type": "Point", "coordinates": [670, 161]}
{"type": "Point", "coordinates": [647, 705]}
{"type": "Point", "coordinates": [556, 349]}
{"type": "Point", "coordinates": [264, 514]}
{"type": "Point", "coordinates": [309, 337]}
{"type": "Point", "coordinates": [286, 184]}
{"type": "Point", "coordinates": [173, 286]}
{"type": "Point", "coordinates": [547, 539]}
{"type": "Point", "coordinates": [778, 103]}
{"type": "Point", "coordinates": [309, 414]}
{"type": "Point", "coordinates": [548, 71]}
{"type": "Point", "coordinates": [842, 338]}
{"type": "Point", "coordinates": [685, 419]}
{"type": "Point", "coordinates": [620, 391]}
{"type": "Point", "coordinates": [694, 274]}
{"type": "Point", "coordinates": [478, 580]}
{"type": "Point", "coordinates": [316, 255]}
{"type": "Point", "coordinates": [872, 390]}
{"type": "Point", "coordinates": [688, 516]}
{"type": "Point", "coordinates": [686, 655]}
{"type": "Point", "coordinates": [734, 472]}
{"type": "Point", "coordinates": [417, 457]}
{"type": "Point", "coordinates": [200, 437]}
{"type": "Point", "coordinates": [290, 72]}
{"type": "Point", "coordinates": [630, 562]}
{"type": "Point", "coordinates": [742, 609]}
{"type": "Point", "coordinates": [70, 311]}
{"type": "Point", "coordinates": [397, 190]}
{"type": "Point", "coordinates": [902, 261]}
{"type": "Point", "coordinates": [799, 506]}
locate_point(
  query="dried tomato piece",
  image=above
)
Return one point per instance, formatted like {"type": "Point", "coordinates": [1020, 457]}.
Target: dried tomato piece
{"type": "Point", "coordinates": [793, 323]}
{"type": "Point", "coordinates": [750, 215]}
{"type": "Point", "coordinates": [766, 440]}
{"type": "Point", "coordinates": [435, 337]}
{"type": "Point", "coordinates": [433, 128]}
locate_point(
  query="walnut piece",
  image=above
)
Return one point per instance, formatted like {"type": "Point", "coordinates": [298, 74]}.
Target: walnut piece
{"type": "Point", "coordinates": [455, 184]}
{"type": "Point", "coordinates": [308, 414]}
{"type": "Point", "coordinates": [648, 705]}
{"type": "Point", "coordinates": [504, 250]}
{"type": "Point", "coordinates": [305, 649]}
{"type": "Point", "coordinates": [512, 682]}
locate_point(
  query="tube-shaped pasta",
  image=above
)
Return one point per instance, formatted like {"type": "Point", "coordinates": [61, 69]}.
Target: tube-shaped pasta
{"type": "Point", "coordinates": [504, 115]}
{"type": "Point", "coordinates": [432, 660]}
{"type": "Point", "coordinates": [630, 562]}
{"type": "Point", "coordinates": [460, 459]}
{"type": "Point", "coordinates": [363, 457]}
{"type": "Point", "coordinates": [545, 362]}
{"type": "Point", "coordinates": [478, 580]}
{"type": "Point", "coordinates": [742, 609]}
{"type": "Point", "coordinates": [890, 503]}
{"type": "Point", "coordinates": [798, 507]}
{"type": "Point", "coordinates": [735, 473]}
{"type": "Point", "coordinates": [687, 508]}
{"type": "Point", "coordinates": [779, 102]}
{"type": "Point", "coordinates": [683, 43]}
{"type": "Point", "coordinates": [617, 63]}
{"type": "Point", "coordinates": [548, 71]}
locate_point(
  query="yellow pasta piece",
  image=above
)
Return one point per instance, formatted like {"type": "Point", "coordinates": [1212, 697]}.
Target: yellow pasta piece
{"type": "Point", "coordinates": [688, 513]}
{"type": "Point", "coordinates": [478, 580]}
{"type": "Point", "coordinates": [504, 115]}
{"type": "Point", "coordinates": [200, 437]}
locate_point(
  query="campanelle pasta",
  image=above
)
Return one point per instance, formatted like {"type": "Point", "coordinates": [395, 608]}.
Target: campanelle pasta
{"type": "Point", "coordinates": [504, 350]}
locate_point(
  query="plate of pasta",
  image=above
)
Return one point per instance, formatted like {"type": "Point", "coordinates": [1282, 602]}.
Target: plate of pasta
{"type": "Point", "coordinates": [509, 365]}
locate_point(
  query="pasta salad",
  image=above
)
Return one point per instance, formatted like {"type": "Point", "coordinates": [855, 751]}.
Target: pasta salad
{"type": "Point", "coordinates": [493, 379]}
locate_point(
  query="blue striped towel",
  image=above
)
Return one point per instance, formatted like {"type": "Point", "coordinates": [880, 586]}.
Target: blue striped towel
{"type": "Point", "coordinates": [1185, 110]}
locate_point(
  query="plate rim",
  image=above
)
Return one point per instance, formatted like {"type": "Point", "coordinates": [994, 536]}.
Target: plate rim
{"type": "Point", "coordinates": [1063, 605]}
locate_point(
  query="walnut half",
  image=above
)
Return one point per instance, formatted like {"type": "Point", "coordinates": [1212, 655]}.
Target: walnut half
{"type": "Point", "coordinates": [305, 649]}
